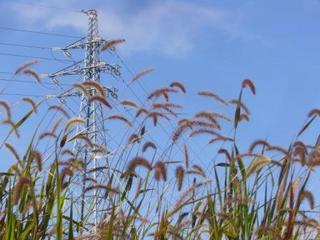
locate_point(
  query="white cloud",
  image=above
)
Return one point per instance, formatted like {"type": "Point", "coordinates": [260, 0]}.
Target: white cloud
{"type": "Point", "coordinates": [168, 27]}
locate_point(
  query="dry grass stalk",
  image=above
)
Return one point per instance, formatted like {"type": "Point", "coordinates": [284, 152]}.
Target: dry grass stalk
{"type": "Point", "coordinates": [90, 179]}
{"type": "Point", "coordinates": [155, 116]}
{"type": "Point", "coordinates": [278, 149]}
{"type": "Point", "coordinates": [148, 145]}
{"type": "Point", "coordinates": [35, 155]}
{"type": "Point", "coordinates": [134, 138]}
{"type": "Point", "coordinates": [102, 187]}
{"type": "Point", "coordinates": [248, 83]}
{"type": "Point", "coordinates": [141, 74]}
{"type": "Point", "coordinates": [178, 85]}
{"type": "Point", "coordinates": [226, 153]}
{"type": "Point", "coordinates": [199, 123]}
{"type": "Point", "coordinates": [140, 111]}
{"type": "Point", "coordinates": [25, 66]}
{"type": "Point", "coordinates": [80, 87]}
{"type": "Point", "coordinates": [313, 159]}
{"type": "Point", "coordinates": [241, 105]}
{"type": "Point", "coordinates": [67, 152]}
{"type": "Point", "coordinates": [208, 116]}
{"type": "Point", "coordinates": [22, 181]}
{"type": "Point", "coordinates": [198, 170]}
{"type": "Point", "coordinates": [99, 99]}
{"type": "Point", "coordinates": [47, 135]}
{"type": "Point", "coordinates": [212, 95]}
{"type": "Point", "coordinates": [190, 191]}
{"type": "Point", "coordinates": [257, 143]}
{"type": "Point", "coordinates": [243, 117]}
{"type": "Point", "coordinates": [112, 43]}
{"type": "Point", "coordinates": [7, 109]}
{"type": "Point", "coordinates": [96, 85]}
{"type": "Point", "coordinates": [31, 102]}
{"type": "Point", "coordinates": [121, 118]}
{"type": "Point", "coordinates": [160, 171]}
{"type": "Point", "coordinates": [221, 138]}
{"type": "Point", "coordinates": [179, 176]}
{"type": "Point", "coordinates": [299, 150]}
{"type": "Point", "coordinates": [13, 126]}
{"type": "Point", "coordinates": [308, 196]}
{"type": "Point", "coordinates": [182, 127]}
{"type": "Point", "coordinates": [137, 162]}
{"type": "Point", "coordinates": [314, 112]}
{"type": "Point", "coordinates": [32, 74]}
{"type": "Point", "coordinates": [186, 156]}
{"type": "Point", "coordinates": [163, 107]}
{"type": "Point", "coordinates": [203, 131]}
{"type": "Point", "coordinates": [130, 103]}
{"type": "Point", "coordinates": [162, 92]}
{"type": "Point", "coordinates": [73, 121]}
{"type": "Point", "coordinates": [56, 125]}
{"type": "Point", "coordinates": [142, 131]}
{"type": "Point", "coordinates": [13, 151]}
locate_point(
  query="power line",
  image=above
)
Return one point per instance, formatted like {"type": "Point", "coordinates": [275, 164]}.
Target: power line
{"type": "Point", "coordinates": [33, 82]}
{"type": "Point", "coordinates": [37, 32]}
{"type": "Point", "coordinates": [22, 95]}
{"type": "Point", "coordinates": [23, 45]}
{"type": "Point", "coordinates": [49, 7]}
{"type": "Point", "coordinates": [36, 57]}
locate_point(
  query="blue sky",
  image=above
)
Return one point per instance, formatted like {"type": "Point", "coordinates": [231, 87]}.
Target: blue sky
{"type": "Point", "coordinates": [208, 45]}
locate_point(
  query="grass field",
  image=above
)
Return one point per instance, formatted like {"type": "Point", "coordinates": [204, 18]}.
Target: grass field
{"type": "Point", "coordinates": [249, 195]}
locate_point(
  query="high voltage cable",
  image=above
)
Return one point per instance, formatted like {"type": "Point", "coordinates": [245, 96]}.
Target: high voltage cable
{"type": "Point", "coordinates": [22, 81]}
{"type": "Point", "coordinates": [48, 7]}
{"type": "Point", "coordinates": [22, 95]}
{"type": "Point", "coordinates": [36, 57]}
{"type": "Point", "coordinates": [23, 45]}
{"type": "Point", "coordinates": [37, 32]}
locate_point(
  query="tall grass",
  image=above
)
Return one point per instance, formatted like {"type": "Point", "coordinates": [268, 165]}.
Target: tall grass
{"type": "Point", "coordinates": [247, 195]}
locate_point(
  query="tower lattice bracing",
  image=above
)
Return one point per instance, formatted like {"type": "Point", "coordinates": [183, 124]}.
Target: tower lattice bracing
{"type": "Point", "coordinates": [90, 205]}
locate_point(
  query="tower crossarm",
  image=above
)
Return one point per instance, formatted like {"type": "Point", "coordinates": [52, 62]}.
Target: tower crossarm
{"type": "Point", "coordinates": [78, 69]}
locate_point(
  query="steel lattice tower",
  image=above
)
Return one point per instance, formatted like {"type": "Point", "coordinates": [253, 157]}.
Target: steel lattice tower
{"type": "Point", "coordinates": [90, 205]}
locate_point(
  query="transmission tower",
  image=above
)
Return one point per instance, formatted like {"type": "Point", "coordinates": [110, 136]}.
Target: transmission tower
{"type": "Point", "coordinates": [90, 205]}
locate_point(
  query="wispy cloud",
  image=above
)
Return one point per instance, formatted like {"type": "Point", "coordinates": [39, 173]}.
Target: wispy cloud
{"type": "Point", "coordinates": [169, 27]}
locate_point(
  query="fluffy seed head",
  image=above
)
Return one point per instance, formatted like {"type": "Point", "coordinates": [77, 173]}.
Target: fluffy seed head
{"type": "Point", "coordinates": [99, 99]}
{"type": "Point", "coordinates": [130, 103]}
{"type": "Point", "coordinates": [139, 162]}
{"type": "Point", "coordinates": [32, 74]}
{"type": "Point", "coordinates": [47, 135]}
{"type": "Point", "coordinates": [96, 85]}
{"type": "Point", "coordinates": [179, 176]}
{"type": "Point", "coordinates": [257, 143]}
{"type": "Point", "coordinates": [112, 43]}
{"type": "Point", "coordinates": [160, 171]}
{"type": "Point", "coordinates": [241, 105]}
{"type": "Point", "coordinates": [25, 66]}
{"type": "Point", "coordinates": [314, 112]}
{"type": "Point", "coordinates": [248, 83]}
{"type": "Point", "coordinates": [148, 145]}
{"type": "Point", "coordinates": [178, 85]}
{"type": "Point", "coordinates": [212, 95]}
{"type": "Point", "coordinates": [120, 118]}
{"type": "Point", "coordinates": [22, 181]}
{"type": "Point", "coordinates": [73, 121]}
{"type": "Point", "coordinates": [186, 156]}
{"type": "Point", "coordinates": [141, 74]}
{"type": "Point", "coordinates": [31, 102]}
{"type": "Point", "coordinates": [7, 109]}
